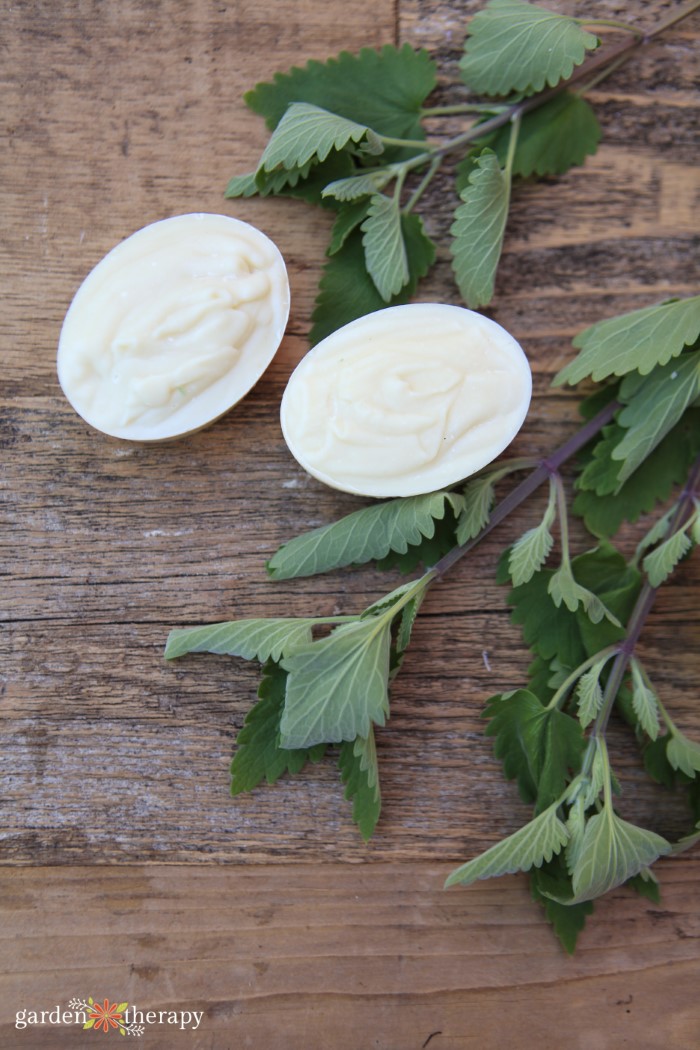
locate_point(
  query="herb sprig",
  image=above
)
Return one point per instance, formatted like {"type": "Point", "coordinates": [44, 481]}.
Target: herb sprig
{"type": "Point", "coordinates": [350, 135]}
{"type": "Point", "coordinates": [326, 680]}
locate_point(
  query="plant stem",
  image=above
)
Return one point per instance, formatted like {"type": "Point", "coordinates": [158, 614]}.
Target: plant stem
{"type": "Point", "coordinates": [423, 185]}
{"type": "Point", "coordinates": [600, 657]}
{"type": "Point", "coordinates": [612, 23]}
{"type": "Point", "coordinates": [530, 484]}
{"type": "Point", "coordinates": [643, 607]}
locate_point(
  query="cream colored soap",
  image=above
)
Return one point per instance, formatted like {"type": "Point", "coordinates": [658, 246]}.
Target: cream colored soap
{"type": "Point", "coordinates": [406, 400]}
{"type": "Point", "coordinates": [173, 327]}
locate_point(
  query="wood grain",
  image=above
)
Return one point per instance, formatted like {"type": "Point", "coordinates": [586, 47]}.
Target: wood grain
{"type": "Point", "coordinates": [281, 922]}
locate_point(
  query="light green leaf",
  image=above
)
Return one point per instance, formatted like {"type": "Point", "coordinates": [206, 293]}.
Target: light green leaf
{"type": "Point", "coordinates": [365, 535]}
{"type": "Point", "coordinates": [634, 342]}
{"type": "Point", "coordinates": [242, 186]}
{"type": "Point", "coordinates": [365, 185]}
{"type": "Point", "coordinates": [479, 495]}
{"type": "Point", "coordinates": [657, 532]}
{"type": "Point", "coordinates": [590, 694]}
{"type": "Point", "coordinates": [307, 131]}
{"type": "Point", "coordinates": [563, 588]}
{"type": "Point", "coordinates": [385, 251]}
{"type": "Point", "coordinates": [598, 777]}
{"type": "Point", "coordinates": [337, 687]}
{"type": "Point", "coordinates": [347, 291]}
{"type": "Point", "coordinates": [687, 842]}
{"type": "Point", "coordinates": [530, 552]}
{"type": "Point", "coordinates": [517, 46]}
{"type": "Point", "coordinates": [656, 406]}
{"type": "Point", "coordinates": [612, 851]}
{"type": "Point", "coordinates": [644, 702]}
{"type": "Point", "coordinates": [661, 562]}
{"type": "Point", "coordinates": [408, 618]}
{"type": "Point", "coordinates": [478, 229]}
{"type": "Point", "coordinates": [683, 753]}
{"type": "Point", "coordinates": [527, 848]}
{"type": "Point", "coordinates": [357, 762]}
{"type": "Point", "coordinates": [249, 639]}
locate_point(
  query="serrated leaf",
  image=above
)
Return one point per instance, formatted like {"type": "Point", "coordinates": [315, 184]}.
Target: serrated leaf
{"type": "Point", "coordinates": [362, 536]}
{"type": "Point", "coordinates": [242, 186]}
{"type": "Point", "coordinates": [656, 407]}
{"type": "Point", "coordinates": [634, 342]}
{"type": "Point", "coordinates": [346, 290]}
{"type": "Point", "coordinates": [249, 639]}
{"type": "Point", "coordinates": [529, 553]}
{"type": "Point", "coordinates": [364, 185]}
{"type": "Point", "coordinates": [427, 552]}
{"type": "Point", "coordinates": [646, 885]}
{"type": "Point", "coordinates": [564, 589]}
{"type": "Point", "coordinates": [479, 495]}
{"type": "Point", "coordinates": [385, 251]}
{"type": "Point", "coordinates": [661, 562]}
{"type": "Point", "coordinates": [306, 132]}
{"type": "Point", "coordinates": [408, 618]}
{"type": "Point", "coordinates": [478, 229]}
{"type": "Point", "coordinates": [604, 509]}
{"type": "Point", "coordinates": [656, 762]}
{"type": "Point", "coordinates": [348, 219]}
{"type": "Point", "coordinates": [527, 848]}
{"type": "Point", "coordinates": [337, 687]}
{"type": "Point", "coordinates": [612, 852]}
{"type": "Point", "coordinates": [589, 693]}
{"type": "Point", "coordinates": [385, 88]}
{"type": "Point", "coordinates": [357, 762]}
{"type": "Point", "coordinates": [539, 747]}
{"type": "Point", "coordinates": [644, 702]}
{"type": "Point", "coordinates": [518, 46]}
{"type": "Point", "coordinates": [683, 754]}
{"type": "Point", "coordinates": [258, 754]}
{"type": "Point", "coordinates": [567, 920]}
{"type": "Point", "coordinates": [552, 138]}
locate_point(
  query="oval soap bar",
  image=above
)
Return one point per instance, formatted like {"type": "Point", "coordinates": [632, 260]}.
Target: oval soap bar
{"type": "Point", "coordinates": [406, 400]}
{"type": "Point", "coordinates": [173, 327]}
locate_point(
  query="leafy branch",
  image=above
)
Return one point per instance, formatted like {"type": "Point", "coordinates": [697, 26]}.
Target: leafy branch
{"type": "Point", "coordinates": [349, 135]}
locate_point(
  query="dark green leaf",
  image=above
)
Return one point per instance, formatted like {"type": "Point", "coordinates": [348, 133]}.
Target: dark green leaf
{"type": "Point", "coordinates": [357, 766]}
{"type": "Point", "coordinates": [568, 920]}
{"type": "Point", "coordinates": [645, 887]}
{"type": "Point", "coordinates": [258, 756]}
{"type": "Point", "coordinates": [539, 748]}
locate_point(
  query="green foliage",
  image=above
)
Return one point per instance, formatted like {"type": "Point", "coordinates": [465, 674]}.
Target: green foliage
{"type": "Point", "coordinates": [479, 495]}
{"type": "Point", "coordinates": [357, 762]}
{"type": "Point", "coordinates": [385, 251]}
{"type": "Point", "coordinates": [568, 920]}
{"type": "Point", "coordinates": [362, 536]}
{"type": "Point", "coordinates": [249, 639]}
{"type": "Point", "coordinates": [259, 755]}
{"type": "Point", "coordinates": [530, 552]}
{"type": "Point", "coordinates": [683, 754]}
{"type": "Point", "coordinates": [661, 562]}
{"type": "Point", "coordinates": [478, 230]}
{"type": "Point", "coordinates": [308, 132]}
{"type": "Point", "coordinates": [644, 702]}
{"type": "Point", "coordinates": [634, 342]}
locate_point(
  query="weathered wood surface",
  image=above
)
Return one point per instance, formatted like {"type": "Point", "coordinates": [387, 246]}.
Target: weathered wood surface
{"type": "Point", "coordinates": [120, 114]}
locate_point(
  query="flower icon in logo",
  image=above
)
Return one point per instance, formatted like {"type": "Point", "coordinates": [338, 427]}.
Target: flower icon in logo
{"type": "Point", "coordinates": [106, 1016]}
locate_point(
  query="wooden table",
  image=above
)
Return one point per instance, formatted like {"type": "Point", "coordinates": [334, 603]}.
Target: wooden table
{"type": "Point", "coordinates": [129, 872]}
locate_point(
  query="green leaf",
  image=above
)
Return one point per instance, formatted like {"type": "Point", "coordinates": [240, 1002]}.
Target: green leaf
{"type": "Point", "coordinates": [249, 639]}
{"type": "Point", "coordinates": [357, 762]}
{"type": "Point", "coordinates": [479, 495]}
{"type": "Point", "coordinates": [656, 761]}
{"type": "Point", "coordinates": [568, 920]}
{"type": "Point", "coordinates": [612, 851]}
{"type": "Point", "coordinates": [364, 185]}
{"type": "Point", "coordinates": [590, 694]}
{"type": "Point", "coordinates": [347, 220]}
{"type": "Point", "coordinates": [478, 229]}
{"type": "Point", "coordinates": [258, 755]}
{"type": "Point", "coordinates": [644, 702]}
{"type": "Point", "coordinates": [346, 290]}
{"type": "Point", "coordinates": [634, 342]}
{"type": "Point", "coordinates": [362, 536]}
{"type": "Point", "coordinates": [552, 138]}
{"type": "Point", "coordinates": [527, 848]}
{"type": "Point", "coordinates": [604, 509]}
{"type": "Point", "coordinates": [683, 754]}
{"type": "Point", "coordinates": [408, 618]}
{"type": "Point", "coordinates": [305, 132]}
{"type": "Point", "coordinates": [384, 88]}
{"type": "Point", "coordinates": [646, 885]}
{"type": "Point", "coordinates": [427, 552]}
{"type": "Point", "coordinates": [337, 687]}
{"type": "Point", "coordinates": [564, 588]}
{"type": "Point", "coordinates": [661, 562]}
{"type": "Point", "coordinates": [530, 552]}
{"type": "Point", "coordinates": [517, 46]}
{"type": "Point", "coordinates": [385, 251]}
{"type": "Point", "coordinates": [656, 407]}
{"type": "Point", "coordinates": [540, 748]}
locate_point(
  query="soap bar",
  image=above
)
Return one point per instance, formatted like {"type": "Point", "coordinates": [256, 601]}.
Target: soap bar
{"type": "Point", "coordinates": [406, 400]}
{"type": "Point", "coordinates": [173, 327]}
